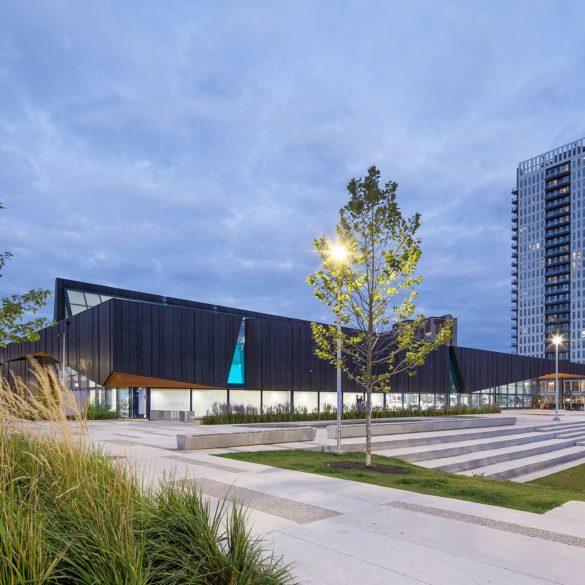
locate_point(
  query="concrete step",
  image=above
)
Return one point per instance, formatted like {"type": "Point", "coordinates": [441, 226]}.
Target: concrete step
{"type": "Point", "coordinates": [547, 471]}
{"type": "Point", "coordinates": [559, 426]}
{"type": "Point", "coordinates": [572, 435]}
{"type": "Point", "coordinates": [467, 462]}
{"type": "Point", "coordinates": [442, 437]}
{"type": "Point", "coordinates": [518, 468]}
{"type": "Point", "coordinates": [431, 424]}
{"type": "Point", "coordinates": [426, 452]}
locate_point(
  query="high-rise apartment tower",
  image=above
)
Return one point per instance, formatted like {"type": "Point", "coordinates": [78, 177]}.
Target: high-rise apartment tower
{"type": "Point", "coordinates": [548, 282]}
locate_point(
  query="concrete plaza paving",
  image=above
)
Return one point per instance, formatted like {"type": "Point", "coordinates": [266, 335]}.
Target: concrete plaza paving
{"type": "Point", "coordinates": [338, 531]}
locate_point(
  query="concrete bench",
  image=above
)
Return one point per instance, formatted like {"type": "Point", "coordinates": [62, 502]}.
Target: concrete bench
{"type": "Point", "coordinates": [394, 428]}
{"type": "Point", "coordinates": [186, 416]}
{"type": "Point", "coordinates": [244, 438]}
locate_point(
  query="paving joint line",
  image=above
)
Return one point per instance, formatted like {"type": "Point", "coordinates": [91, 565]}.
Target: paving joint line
{"type": "Point", "coordinates": [205, 463]}
{"type": "Point", "coordinates": [539, 533]}
{"type": "Point", "coordinates": [136, 444]}
{"type": "Point", "coordinates": [275, 505]}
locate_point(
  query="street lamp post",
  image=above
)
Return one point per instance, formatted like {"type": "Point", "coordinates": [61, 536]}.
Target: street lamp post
{"type": "Point", "coordinates": [557, 340]}
{"type": "Point", "coordinates": [339, 394]}
{"type": "Point", "coordinates": [338, 254]}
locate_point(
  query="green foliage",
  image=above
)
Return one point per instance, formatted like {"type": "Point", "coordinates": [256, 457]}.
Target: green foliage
{"type": "Point", "coordinates": [70, 515]}
{"type": "Point", "coordinates": [99, 412]}
{"type": "Point", "coordinates": [508, 494]}
{"type": "Point", "coordinates": [188, 540]}
{"type": "Point", "coordinates": [568, 479]}
{"type": "Point", "coordinates": [374, 290]}
{"type": "Point", "coordinates": [372, 293]}
{"type": "Point", "coordinates": [15, 309]}
{"type": "Point", "coordinates": [331, 414]}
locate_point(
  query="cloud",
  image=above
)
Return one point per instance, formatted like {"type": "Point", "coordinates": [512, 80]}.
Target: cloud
{"type": "Point", "coordinates": [196, 149]}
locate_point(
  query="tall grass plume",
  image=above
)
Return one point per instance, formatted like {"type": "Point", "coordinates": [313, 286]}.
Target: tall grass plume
{"type": "Point", "coordinates": [69, 514]}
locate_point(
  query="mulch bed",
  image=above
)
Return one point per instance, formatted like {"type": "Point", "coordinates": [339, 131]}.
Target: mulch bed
{"type": "Point", "coordinates": [394, 469]}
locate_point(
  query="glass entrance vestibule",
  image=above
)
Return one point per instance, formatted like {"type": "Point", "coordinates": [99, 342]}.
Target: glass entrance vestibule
{"type": "Point", "coordinates": [132, 402]}
{"type": "Point", "coordinates": [535, 393]}
{"type": "Point", "coordinates": [571, 394]}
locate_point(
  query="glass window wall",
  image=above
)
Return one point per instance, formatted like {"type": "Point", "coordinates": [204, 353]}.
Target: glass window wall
{"type": "Point", "coordinates": [275, 400]}
{"type": "Point", "coordinates": [248, 400]}
{"type": "Point", "coordinates": [164, 399]}
{"type": "Point", "coordinates": [206, 401]}
{"type": "Point", "coordinates": [328, 400]}
{"type": "Point", "coordinates": [394, 401]}
{"type": "Point", "coordinates": [411, 401]}
{"type": "Point", "coordinates": [79, 301]}
{"type": "Point", "coordinates": [306, 400]}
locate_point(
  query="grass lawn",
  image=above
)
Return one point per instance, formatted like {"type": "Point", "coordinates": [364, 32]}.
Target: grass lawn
{"type": "Point", "coordinates": [572, 479]}
{"type": "Point", "coordinates": [531, 497]}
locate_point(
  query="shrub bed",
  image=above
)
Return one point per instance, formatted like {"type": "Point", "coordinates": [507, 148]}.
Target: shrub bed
{"type": "Point", "coordinates": [69, 515]}
{"type": "Point", "coordinates": [99, 412]}
{"type": "Point", "coordinates": [247, 417]}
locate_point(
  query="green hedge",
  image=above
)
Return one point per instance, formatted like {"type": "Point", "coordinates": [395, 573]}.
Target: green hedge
{"type": "Point", "coordinates": [220, 419]}
{"type": "Point", "coordinates": [99, 412]}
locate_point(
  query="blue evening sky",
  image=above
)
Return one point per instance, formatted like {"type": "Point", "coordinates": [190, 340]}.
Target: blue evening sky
{"type": "Point", "coordinates": [195, 149]}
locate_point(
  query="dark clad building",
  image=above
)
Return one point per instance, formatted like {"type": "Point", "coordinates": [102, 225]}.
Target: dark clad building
{"type": "Point", "coordinates": [145, 354]}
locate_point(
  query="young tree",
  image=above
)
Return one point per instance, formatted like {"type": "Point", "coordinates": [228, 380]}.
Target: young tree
{"type": "Point", "coordinates": [14, 326]}
{"type": "Point", "coordinates": [368, 278]}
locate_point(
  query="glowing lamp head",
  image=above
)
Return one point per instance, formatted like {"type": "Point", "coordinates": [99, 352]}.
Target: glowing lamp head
{"type": "Point", "coordinates": [557, 339]}
{"type": "Point", "coordinates": [338, 253]}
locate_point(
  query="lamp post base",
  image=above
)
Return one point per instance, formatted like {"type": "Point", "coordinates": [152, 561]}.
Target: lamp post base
{"type": "Point", "coordinates": [556, 417]}
{"type": "Point", "coordinates": [336, 451]}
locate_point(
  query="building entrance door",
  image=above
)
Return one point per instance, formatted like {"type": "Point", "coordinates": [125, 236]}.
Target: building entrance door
{"type": "Point", "coordinates": [574, 401]}
{"type": "Point", "coordinates": [139, 403]}
{"type": "Point", "coordinates": [133, 402]}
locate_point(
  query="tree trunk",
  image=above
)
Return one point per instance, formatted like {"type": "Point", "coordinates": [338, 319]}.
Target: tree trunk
{"type": "Point", "coordinates": [369, 427]}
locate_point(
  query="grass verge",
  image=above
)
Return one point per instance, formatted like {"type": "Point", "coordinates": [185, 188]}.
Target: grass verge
{"type": "Point", "coordinates": [572, 479]}
{"type": "Point", "coordinates": [530, 497]}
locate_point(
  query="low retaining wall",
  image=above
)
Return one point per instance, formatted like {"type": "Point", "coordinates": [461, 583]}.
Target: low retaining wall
{"type": "Point", "coordinates": [243, 438]}
{"type": "Point", "coordinates": [359, 430]}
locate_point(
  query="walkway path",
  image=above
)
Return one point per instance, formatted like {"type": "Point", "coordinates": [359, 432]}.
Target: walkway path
{"type": "Point", "coordinates": [338, 531]}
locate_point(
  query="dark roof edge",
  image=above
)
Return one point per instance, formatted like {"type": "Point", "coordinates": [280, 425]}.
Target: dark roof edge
{"type": "Point", "coordinates": [63, 283]}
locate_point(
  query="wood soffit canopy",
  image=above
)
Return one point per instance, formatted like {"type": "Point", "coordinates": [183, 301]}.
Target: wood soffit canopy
{"type": "Point", "coordinates": [125, 380]}
{"type": "Point", "coordinates": [561, 375]}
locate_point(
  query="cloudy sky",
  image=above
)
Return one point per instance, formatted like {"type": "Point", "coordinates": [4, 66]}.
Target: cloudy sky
{"type": "Point", "coordinates": [195, 149]}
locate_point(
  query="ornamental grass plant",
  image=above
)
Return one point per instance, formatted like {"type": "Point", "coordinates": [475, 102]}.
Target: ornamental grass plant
{"type": "Point", "coordinates": [70, 514]}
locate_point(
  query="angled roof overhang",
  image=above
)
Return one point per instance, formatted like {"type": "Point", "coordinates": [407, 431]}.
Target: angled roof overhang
{"type": "Point", "coordinates": [561, 375]}
{"type": "Point", "coordinates": [126, 380]}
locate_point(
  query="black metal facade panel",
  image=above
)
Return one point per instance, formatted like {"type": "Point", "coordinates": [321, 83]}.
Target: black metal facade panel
{"type": "Point", "coordinates": [280, 355]}
{"type": "Point", "coordinates": [433, 377]}
{"type": "Point", "coordinates": [173, 343]}
{"type": "Point", "coordinates": [84, 340]}
{"type": "Point", "coordinates": [137, 338]}
{"type": "Point", "coordinates": [481, 369]}
{"type": "Point", "coordinates": [195, 342]}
